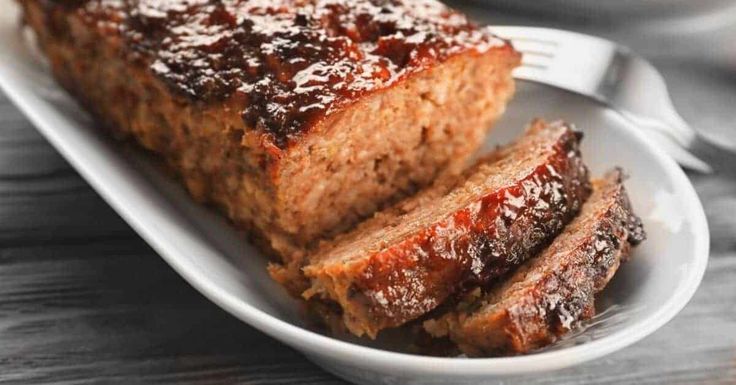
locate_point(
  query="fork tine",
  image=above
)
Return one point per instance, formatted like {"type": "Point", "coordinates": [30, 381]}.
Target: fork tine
{"type": "Point", "coordinates": [531, 39]}
{"type": "Point", "coordinates": [535, 62]}
{"type": "Point", "coordinates": [538, 49]}
{"type": "Point", "coordinates": [529, 52]}
{"type": "Point", "coordinates": [534, 48]}
{"type": "Point", "coordinates": [538, 35]}
{"type": "Point", "coordinates": [535, 58]}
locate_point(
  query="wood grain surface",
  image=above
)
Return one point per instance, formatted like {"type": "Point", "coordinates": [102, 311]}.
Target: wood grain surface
{"type": "Point", "coordinates": [84, 300]}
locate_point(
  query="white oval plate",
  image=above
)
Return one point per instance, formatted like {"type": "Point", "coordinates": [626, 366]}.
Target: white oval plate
{"type": "Point", "coordinates": [646, 293]}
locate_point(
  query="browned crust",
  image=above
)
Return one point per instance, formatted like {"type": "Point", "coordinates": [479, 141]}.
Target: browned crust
{"type": "Point", "coordinates": [385, 285]}
{"type": "Point", "coordinates": [284, 65]}
{"type": "Point", "coordinates": [278, 193]}
{"type": "Point", "coordinates": [552, 293]}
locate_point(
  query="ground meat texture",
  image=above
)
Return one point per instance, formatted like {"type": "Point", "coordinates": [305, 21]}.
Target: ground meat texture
{"type": "Point", "coordinates": [552, 293]}
{"type": "Point", "coordinates": [298, 118]}
{"type": "Point", "coordinates": [460, 234]}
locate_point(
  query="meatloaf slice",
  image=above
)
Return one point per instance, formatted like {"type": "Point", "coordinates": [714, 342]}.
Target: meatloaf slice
{"type": "Point", "coordinates": [461, 233]}
{"type": "Point", "coordinates": [297, 117]}
{"type": "Point", "coordinates": [548, 295]}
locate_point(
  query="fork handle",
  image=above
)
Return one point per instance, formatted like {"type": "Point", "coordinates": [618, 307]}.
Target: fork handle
{"type": "Point", "coordinates": [721, 158]}
{"type": "Point", "coordinates": [718, 157]}
{"type": "Point", "coordinates": [700, 153]}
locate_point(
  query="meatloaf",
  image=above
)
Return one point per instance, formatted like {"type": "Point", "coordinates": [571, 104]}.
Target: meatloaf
{"type": "Point", "coordinates": [551, 293]}
{"type": "Point", "coordinates": [461, 233]}
{"type": "Point", "coordinates": [297, 117]}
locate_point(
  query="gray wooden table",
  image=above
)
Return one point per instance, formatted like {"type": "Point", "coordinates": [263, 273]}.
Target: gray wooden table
{"type": "Point", "coordinates": [84, 300]}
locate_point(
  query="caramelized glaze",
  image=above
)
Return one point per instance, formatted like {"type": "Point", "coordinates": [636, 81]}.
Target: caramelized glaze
{"type": "Point", "coordinates": [290, 62]}
{"type": "Point", "coordinates": [551, 295]}
{"type": "Point", "coordinates": [477, 244]}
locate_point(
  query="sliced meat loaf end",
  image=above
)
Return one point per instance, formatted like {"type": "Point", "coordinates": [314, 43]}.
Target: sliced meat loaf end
{"type": "Point", "coordinates": [551, 293]}
{"type": "Point", "coordinates": [406, 261]}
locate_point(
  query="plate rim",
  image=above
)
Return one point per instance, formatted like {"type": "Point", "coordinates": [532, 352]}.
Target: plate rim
{"type": "Point", "coordinates": [324, 347]}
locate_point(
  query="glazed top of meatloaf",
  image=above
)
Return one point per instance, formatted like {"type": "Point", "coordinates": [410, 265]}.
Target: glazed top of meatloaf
{"type": "Point", "coordinates": [286, 63]}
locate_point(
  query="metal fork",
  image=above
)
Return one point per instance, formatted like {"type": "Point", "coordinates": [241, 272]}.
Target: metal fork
{"type": "Point", "coordinates": [614, 76]}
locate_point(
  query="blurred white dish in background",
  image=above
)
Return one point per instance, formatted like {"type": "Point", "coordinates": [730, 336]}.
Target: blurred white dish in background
{"type": "Point", "coordinates": [621, 10]}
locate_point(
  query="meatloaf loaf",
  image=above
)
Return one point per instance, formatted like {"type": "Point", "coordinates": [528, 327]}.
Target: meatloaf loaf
{"type": "Point", "coordinates": [297, 117]}
{"type": "Point", "coordinates": [551, 293]}
{"type": "Point", "coordinates": [461, 233]}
